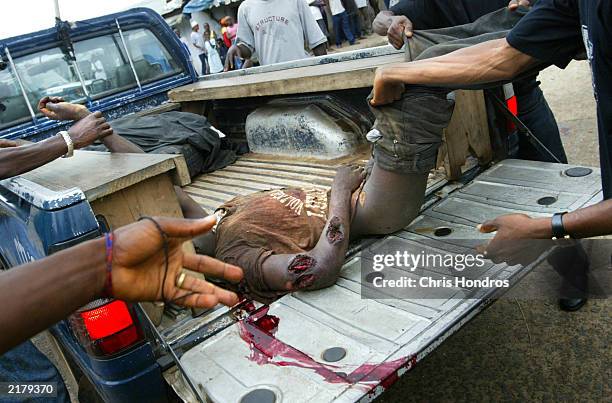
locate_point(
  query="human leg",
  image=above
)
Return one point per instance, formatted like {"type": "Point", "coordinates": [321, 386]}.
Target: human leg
{"type": "Point", "coordinates": [407, 135]}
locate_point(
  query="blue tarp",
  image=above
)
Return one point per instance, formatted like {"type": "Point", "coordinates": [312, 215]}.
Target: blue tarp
{"type": "Point", "coordinates": [197, 5]}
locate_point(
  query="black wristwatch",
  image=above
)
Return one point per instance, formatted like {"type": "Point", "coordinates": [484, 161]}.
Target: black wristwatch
{"type": "Point", "coordinates": [558, 230]}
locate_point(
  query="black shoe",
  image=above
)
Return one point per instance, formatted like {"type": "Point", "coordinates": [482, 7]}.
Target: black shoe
{"type": "Point", "coordinates": [571, 304]}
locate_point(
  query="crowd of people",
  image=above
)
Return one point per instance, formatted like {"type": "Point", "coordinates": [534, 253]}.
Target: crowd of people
{"type": "Point", "coordinates": [411, 106]}
{"type": "Point", "coordinates": [298, 29]}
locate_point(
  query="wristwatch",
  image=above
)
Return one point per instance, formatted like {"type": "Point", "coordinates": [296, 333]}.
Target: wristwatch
{"type": "Point", "coordinates": [558, 230]}
{"type": "Point", "coordinates": [66, 136]}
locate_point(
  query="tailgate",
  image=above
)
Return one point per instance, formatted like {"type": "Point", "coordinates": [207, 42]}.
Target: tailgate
{"type": "Point", "coordinates": [380, 339]}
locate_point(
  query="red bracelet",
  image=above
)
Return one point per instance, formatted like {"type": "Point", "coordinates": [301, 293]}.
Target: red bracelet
{"type": "Point", "coordinates": [108, 284]}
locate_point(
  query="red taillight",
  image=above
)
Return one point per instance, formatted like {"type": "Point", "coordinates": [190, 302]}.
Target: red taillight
{"type": "Point", "coordinates": [511, 104]}
{"type": "Point", "coordinates": [106, 327]}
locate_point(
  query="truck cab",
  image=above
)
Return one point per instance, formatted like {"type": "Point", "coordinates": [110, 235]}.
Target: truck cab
{"type": "Point", "coordinates": [117, 64]}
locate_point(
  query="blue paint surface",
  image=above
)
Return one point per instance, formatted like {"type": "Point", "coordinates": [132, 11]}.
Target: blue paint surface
{"type": "Point", "coordinates": [35, 224]}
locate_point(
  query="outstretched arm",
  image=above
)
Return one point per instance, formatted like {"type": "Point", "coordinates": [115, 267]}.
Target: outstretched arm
{"type": "Point", "coordinates": [69, 279]}
{"type": "Point", "coordinates": [486, 62]}
{"type": "Point", "coordinates": [319, 267]}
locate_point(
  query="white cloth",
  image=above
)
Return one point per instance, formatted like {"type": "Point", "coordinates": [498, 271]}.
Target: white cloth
{"type": "Point", "coordinates": [336, 7]}
{"type": "Point", "coordinates": [212, 56]}
{"type": "Point", "coordinates": [198, 41]}
{"type": "Point", "coordinates": [361, 3]}
{"type": "Point", "coordinates": [316, 12]}
{"type": "Point", "coordinates": [278, 30]}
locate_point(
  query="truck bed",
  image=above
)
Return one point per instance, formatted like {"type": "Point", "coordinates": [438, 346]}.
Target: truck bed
{"type": "Point", "coordinates": [382, 338]}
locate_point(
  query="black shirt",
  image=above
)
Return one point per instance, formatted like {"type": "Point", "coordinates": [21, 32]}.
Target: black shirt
{"type": "Point", "coordinates": [430, 14]}
{"type": "Point", "coordinates": [554, 32]}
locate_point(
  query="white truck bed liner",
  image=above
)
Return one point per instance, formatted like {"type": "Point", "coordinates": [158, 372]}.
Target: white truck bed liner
{"type": "Point", "coordinates": [383, 338]}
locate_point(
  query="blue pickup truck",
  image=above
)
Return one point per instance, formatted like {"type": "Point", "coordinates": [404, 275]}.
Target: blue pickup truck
{"type": "Point", "coordinates": [118, 64]}
{"type": "Point", "coordinates": [132, 63]}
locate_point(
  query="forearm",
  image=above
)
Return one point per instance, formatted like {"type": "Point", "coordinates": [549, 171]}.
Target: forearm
{"type": "Point", "coordinates": [18, 160]}
{"type": "Point", "coordinates": [319, 267]}
{"type": "Point", "coordinates": [117, 144]}
{"type": "Point", "coordinates": [320, 50]}
{"type": "Point", "coordinates": [590, 221]}
{"type": "Point", "coordinates": [37, 295]}
{"type": "Point", "coordinates": [382, 22]}
{"type": "Point", "coordinates": [243, 51]}
{"type": "Point", "coordinates": [483, 63]}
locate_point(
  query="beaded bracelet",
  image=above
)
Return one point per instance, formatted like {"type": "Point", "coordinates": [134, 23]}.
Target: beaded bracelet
{"type": "Point", "coordinates": [108, 284]}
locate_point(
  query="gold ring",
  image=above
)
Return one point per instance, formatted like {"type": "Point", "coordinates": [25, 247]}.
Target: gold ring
{"type": "Point", "coordinates": [180, 280]}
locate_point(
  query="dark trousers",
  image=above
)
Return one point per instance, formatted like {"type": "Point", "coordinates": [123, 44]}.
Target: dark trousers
{"type": "Point", "coordinates": [533, 110]}
{"type": "Point", "coordinates": [355, 24]}
{"type": "Point", "coordinates": [342, 25]}
{"type": "Point", "coordinates": [25, 363]}
{"type": "Point", "coordinates": [202, 57]}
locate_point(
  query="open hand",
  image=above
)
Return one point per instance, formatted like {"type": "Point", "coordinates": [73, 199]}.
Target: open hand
{"type": "Point", "coordinates": [139, 270]}
{"type": "Point", "coordinates": [520, 239]}
{"type": "Point", "coordinates": [56, 109]}
{"type": "Point", "coordinates": [89, 129]}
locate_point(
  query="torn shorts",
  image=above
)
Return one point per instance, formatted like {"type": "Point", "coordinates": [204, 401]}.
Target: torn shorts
{"type": "Point", "coordinates": [408, 132]}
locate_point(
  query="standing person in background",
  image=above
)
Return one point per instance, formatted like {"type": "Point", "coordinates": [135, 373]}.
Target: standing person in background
{"type": "Point", "coordinates": [341, 23]}
{"type": "Point", "coordinates": [365, 16]}
{"type": "Point", "coordinates": [184, 43]}
{"type": "Point", "coordinates": [230, 30]}
{"type": "Point", "coordinates": [315, 9]}
{"type": "Point", "coordinates": [278, 31]}
{"type": "Point", "coordinates": [197, 40]}
{"type": "Point", "coordinates": [353, 14]}
{"type": "Point", "coordinates": [212, 53]}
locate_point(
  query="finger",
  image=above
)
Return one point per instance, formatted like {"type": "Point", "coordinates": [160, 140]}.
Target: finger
{"type": "Point", "coordinates": [196, 300]}
{"type": "Point", "coordinates": [104, 126]}
{"type": "Point", "coordinates": [183, 228]}
{"type": "Point", "coordinates": [96, 115]}
{"type": "Point", "coordinates": [488, 227]}
{"type": "Point", "coordinates": [482, 249]}
{"type": "Point", "coordinates": [203, 287]}
{"type": "Point", "coordinates": [106, 133]}
{"type": "Point", "coordinates": [43, 102]}
{"type": "Point", "coordinates": [213, 267]}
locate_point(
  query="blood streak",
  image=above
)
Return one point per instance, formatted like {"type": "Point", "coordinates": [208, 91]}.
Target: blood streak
{"type": "Point", "coordinates": [301, 263]}
{"type": "Point", "coordinates": [259, 330]}
{"type": "Point", "coordinates": [335, 232]}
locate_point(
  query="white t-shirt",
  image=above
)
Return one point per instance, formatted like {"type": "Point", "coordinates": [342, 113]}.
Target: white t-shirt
{"type": "Point", "coordinates": [316, 12]}
{"type": "Point", "coordinates": [214, 60]}
{"type": "Point", "coordinates": [278, 29]}
{"type": "Point", "coordinates": [336, 7]}
{"type": "Point", "coordinates": [361, 3]}
{"type": "Point", "coordinates": [197, 40]}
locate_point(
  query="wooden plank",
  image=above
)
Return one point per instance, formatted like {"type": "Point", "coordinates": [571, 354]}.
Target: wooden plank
{"type": "Point", "coordinates": [326, 77]}
{"type": "Point", "coordinates": [151, 197]}
{"type": "Point", "coordinates": [467, 133]}
{"type": "Point", "coordinates": [99, 174]}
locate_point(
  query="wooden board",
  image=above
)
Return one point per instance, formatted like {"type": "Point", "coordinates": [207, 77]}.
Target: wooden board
{"type": "Point", "coordinates": [99, 174]}
{"type": "Point", "coordinates": [325, 77]}
{"type": "Point", "coordinates": [466, 135]}
{"type": "Point", "coordinates": [152, 197]}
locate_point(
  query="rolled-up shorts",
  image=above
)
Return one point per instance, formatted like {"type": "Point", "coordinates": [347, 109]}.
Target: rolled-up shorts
{"type": "Point", "coordinates": [408, 132]}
